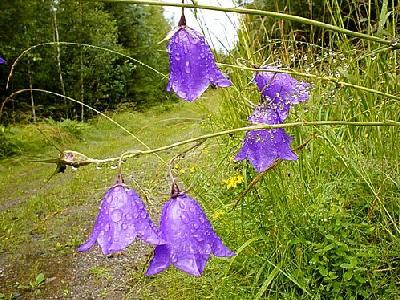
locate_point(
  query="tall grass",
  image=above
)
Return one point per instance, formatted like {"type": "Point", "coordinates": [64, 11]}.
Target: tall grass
{"type": "Point", "coordinates": [326, 226]}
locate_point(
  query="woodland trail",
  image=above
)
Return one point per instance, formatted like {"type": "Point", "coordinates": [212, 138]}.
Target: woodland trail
{"type": "Point", "coordinates": [42, 223]}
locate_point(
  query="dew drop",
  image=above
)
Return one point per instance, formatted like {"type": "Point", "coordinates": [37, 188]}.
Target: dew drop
{"type": "Point", "coordinates": [207, 248]}
{"type": "Point", "coordinates": [107, 227]}
{"type": "Point", "coordinates": [143, 214]}
{"type": "Point", "coordinates": [128, 217]}
{"type": "Point", "coordinates": [198, 237]}
{"type": "Point", "coordinates": [185, 219]}
{"type": "Point", "coordinates": [116, 215]}
{"type": "Point", "coordinates": [195, 225]}
{"type": "Point", "coordinates": [182, 205]}
{"type": "Point", "coordinates": [177, 56]}
{"type": "Point", "coordinates": [187, 67]}
{"type": "Point", "coordinates": [124, 226]}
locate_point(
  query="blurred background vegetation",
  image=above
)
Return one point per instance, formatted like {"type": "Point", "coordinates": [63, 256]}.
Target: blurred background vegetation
{"type": "Point", "coordinates": [100, 79]}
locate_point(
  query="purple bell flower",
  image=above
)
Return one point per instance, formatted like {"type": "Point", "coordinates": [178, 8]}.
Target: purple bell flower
{"type": "Point", "coordinates": [122, 218]}
{"type": "Point", "coordinates": [189, 237]}
{"type": "Point", "coordinates": [192, 65]}
{"type": "Point", "coordinates": [2, 61]}
{"type": "Point", "coordinates": [279, 91]}
{"type": "Point", "coordinates": [262, 147]}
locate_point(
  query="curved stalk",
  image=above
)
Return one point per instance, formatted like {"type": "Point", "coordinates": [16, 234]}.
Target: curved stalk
{"type": "Point", "coordinates": [393, 43]}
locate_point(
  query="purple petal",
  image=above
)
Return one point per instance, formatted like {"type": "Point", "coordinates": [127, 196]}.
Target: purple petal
{"type": "Point", "coordinates": [192, 263]}
{"type": "Point", "coordinates": [262, 147]}
{"type": "Point", "coordinates": [160, 261]}
{"type": "Point", "coordinates": [122, 217]}
{"type": "Point", "coordinates": [269, 113]}
{"type": "Point", "coordinates": [281, 87]}
{"type": "Point", "coordinates": [2, 61]}
{"type": "Point", "coordinates": [144, 226]}
{"type": "Point", "coordinates": [192, 65]}
{"type": "Point", "coordinates": [189, 236]}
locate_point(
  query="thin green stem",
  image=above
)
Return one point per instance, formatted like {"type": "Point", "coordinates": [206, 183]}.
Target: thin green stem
{"type": "Point", "coordinates": [91, 108]}
{"type": "Point", "coordinates": [75, 44]}
{"type": "Point", "coordinates": [272, 14]}
{"type": "Point", "coordinates": [134, 153]}
{"type": "Point", "coordinates": [325, 78]}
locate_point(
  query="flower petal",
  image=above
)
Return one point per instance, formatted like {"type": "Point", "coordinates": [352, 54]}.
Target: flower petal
{"type": "Point", "coordinates": [192, 65]}
{"type": "Point", "coordinates": [122, 217]}
{"type": "Point", "coordinates": [262, 147]}
{"type": "Point", "coordinates": [160, 261]}
{"type": "Point", "coordinates": [189, 236]}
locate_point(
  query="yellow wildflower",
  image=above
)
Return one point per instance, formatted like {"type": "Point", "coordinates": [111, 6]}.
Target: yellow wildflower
{"type": "Point", "coordinates": [233, 182]}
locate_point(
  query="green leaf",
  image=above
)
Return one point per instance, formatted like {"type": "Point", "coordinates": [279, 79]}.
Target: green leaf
{"type": "Point", "coordinates": [39, 279]}
{"type": "Point", "coordinates": [348, 275]}
{"type": "Point", "coordinates": [323, 271]}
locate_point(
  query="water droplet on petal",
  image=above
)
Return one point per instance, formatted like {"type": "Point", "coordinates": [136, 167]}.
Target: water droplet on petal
{"type": "Point", "coordinates": [128, 217]}
{"type": "Point", "coordinates": [187, 67]}
{"type": "Point", "coordinates": [195, 225]}
{"type": "Point", "coordinates": [185, 219]}
{"type": "Point", "coordinates": [182, 205]}
{"type": "Point", "coordinates": [143, 214]}
{"type": "Point", "coordinates": [207, 248]}
{"type": "Point", "coordinates": [124, 226]}
{"type": "Point", "coordinates": [107, 227]}
{"type": "Point", "coordinates": [116, 215]}
{"type": "Point", "coordinates": [177, 56]}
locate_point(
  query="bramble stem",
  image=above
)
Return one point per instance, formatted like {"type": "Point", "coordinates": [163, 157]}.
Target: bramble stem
{"type": "Point", "coordinates": [392, 44]}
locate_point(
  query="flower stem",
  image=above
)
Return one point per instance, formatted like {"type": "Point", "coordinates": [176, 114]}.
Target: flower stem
{"type": "Point", "coordinates": [134, 153]}
{"type": "Point", "coordinates": [392, 43]}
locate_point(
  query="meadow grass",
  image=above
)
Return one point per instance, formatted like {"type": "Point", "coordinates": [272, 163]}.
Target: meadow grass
{"type": "Point", "coordinates": [323, 227]}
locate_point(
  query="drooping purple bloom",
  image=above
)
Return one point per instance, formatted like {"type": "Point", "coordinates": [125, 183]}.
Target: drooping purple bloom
{"type": "Point", "coordinates": [189, 236]}
{"type": "Point", "coordinates": [279, 92]}
{"type": "Point", "coordinates": [122, 218]}
{"type": "Point", "coordinates": [2, 61]}
{"type": "Point", "coordinates": [192, 65]}
{"type": "Point", "coordinates": [262, 147]}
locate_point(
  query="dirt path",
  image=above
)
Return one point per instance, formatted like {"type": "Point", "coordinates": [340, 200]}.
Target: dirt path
{"type": "Point", "coordinates": [42, 223]}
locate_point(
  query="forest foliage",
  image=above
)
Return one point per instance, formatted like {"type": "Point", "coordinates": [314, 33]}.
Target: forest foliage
{"type": "Point", "coordinates": [98, 78]}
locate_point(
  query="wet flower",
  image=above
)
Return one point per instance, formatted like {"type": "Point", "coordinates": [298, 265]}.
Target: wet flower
{"type": "Point", "coordinates": [262, 147]}
{"type": "Point", "coordinates": [190, 238]}
{"type": "Point", "coordinates": [192, 65]}
{"type": "Point", "coordinates": [279, 92]}
{"type": "Point", "coordinates": [122, 218]}
{"type": "Point", "coordinates": [2, 61]}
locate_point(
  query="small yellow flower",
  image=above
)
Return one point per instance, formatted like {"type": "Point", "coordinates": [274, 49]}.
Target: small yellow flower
{"type": "Point", "coordinates": [233, 182]}
{"type": "Point", "coordinates": [192, 169]}
{"type": "Point", "coordinates": [182, 171]}
{"type": "Point", "coordinates": [218, 214]}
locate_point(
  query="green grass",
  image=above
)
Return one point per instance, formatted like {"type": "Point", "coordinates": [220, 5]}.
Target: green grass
{"type": "Point", "coordinates": [323, 227]}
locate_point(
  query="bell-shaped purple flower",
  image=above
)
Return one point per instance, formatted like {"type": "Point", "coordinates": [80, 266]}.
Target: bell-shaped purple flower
{"type": "Point", "coordinates": [262, 147]}
{"type": "Point", "coordinates": [189, 236]}
{"type": "Point", "coordinates": [2, 61]}
{"type": "Point", "coordinates": [122, 218]}
{"type": "Point", "coordinates": [279, 92]}
{"type": "Point", "coordinates": [192, 65]}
